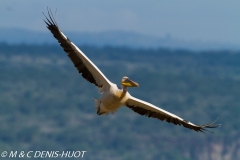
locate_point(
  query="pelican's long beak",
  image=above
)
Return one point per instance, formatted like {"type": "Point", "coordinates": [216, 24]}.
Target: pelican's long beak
{"type": "Point", "coordinates": [129, 83]}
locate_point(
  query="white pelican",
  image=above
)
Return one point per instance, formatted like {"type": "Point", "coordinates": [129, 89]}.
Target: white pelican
{"type": "Point", "coordinates": [113, 97]}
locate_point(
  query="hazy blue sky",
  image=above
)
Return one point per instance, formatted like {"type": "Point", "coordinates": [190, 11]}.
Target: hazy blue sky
{"type": "Point", "coordinates": [210, 20]}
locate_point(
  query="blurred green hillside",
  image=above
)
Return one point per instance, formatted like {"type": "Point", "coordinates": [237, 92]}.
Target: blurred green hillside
{"type": "Point", "coordinates": [45, 105]}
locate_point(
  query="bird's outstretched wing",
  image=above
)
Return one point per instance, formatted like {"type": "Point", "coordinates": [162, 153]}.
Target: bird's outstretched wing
{"type": "Point", "coordinates": [147, 109]}
{"type": "Point", "coordinates": [84, 65]}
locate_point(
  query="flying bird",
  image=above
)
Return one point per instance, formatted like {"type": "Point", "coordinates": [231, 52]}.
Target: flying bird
{"type": "Point", "coordinates": [114, 97]}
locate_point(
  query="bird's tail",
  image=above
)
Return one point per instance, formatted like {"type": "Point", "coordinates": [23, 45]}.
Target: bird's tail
{"type": "Point", "coordinates": [97, 104]}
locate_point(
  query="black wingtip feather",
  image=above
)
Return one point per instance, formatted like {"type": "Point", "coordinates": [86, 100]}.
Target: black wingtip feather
{"type": "Point", "coordinates": [51, 16]}
{"type": "Point", "coordinates": [51, 20]}
{"type": "Point", "coordinates": [210, 125]}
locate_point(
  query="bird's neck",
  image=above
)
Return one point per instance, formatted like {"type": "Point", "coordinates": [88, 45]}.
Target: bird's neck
{"type": "Point", "coordinates": [124, 88]}
{"type": "Point", "coordinates": [123, 93]}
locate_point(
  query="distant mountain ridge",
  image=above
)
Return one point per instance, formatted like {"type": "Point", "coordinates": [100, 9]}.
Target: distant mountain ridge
{"type": "Point", "coordinates": [112, 38]}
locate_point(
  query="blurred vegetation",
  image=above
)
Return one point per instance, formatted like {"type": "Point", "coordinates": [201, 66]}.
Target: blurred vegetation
{"type": "Point", "coordinates": [46, 105]}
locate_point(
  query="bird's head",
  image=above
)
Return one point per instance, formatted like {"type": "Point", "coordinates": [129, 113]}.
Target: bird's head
{"type": "Point", "coordinates": [126, 82]}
